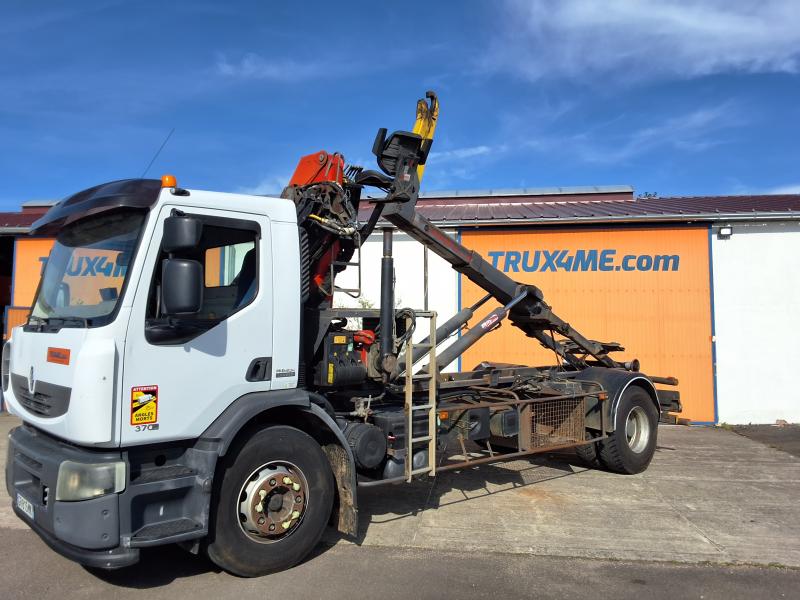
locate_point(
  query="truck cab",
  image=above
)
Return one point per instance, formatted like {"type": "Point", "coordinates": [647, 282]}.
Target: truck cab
{"type": "Point", "coordinates": [101, 366]}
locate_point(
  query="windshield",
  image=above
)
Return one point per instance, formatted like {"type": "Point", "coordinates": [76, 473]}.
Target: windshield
{"type": "Point", "coordinates": [87, 267]}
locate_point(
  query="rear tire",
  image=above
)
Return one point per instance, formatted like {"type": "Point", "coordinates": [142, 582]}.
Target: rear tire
{"type": "Point", "coordinates": [630, 448]}
{"type": "Point", "coordinates": [588, 454]}
{"type": "Point", "coordinates": [272, 501]}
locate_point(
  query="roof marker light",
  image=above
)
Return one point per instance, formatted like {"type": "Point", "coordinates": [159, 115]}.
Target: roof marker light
{"type": "Point", "coordinates": [168, 181]}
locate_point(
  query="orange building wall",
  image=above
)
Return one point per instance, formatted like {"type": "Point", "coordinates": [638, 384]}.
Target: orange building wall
{"type": "Point", "coordinates": [29, 254]}
{"type": "Point", "coordinates": [663, 317]}
{"type": "Point", "coordinates": [212, 270]}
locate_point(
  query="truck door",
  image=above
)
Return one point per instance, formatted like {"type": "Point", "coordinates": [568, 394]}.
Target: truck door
{"type": "Point", "coordinates": [180, 373]}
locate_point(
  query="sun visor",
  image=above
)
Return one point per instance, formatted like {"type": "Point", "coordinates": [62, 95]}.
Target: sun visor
{"type": "Point", "coordinates": [125, 193]}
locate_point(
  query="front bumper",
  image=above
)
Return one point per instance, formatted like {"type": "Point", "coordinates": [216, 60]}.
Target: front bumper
{"type": "Point", "coordinates": [166, 498]}
{"type": "Point", "coordinates": [86, 531]}
{"type": "Point", "coordinates": [115, 558]}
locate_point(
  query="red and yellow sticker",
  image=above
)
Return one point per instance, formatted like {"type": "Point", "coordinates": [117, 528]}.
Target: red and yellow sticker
{"type": "Point", "coordinates": [144, 404]}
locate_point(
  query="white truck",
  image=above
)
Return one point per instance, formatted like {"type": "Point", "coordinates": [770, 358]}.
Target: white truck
{"type": "Point", "coordinates": [184, 377]}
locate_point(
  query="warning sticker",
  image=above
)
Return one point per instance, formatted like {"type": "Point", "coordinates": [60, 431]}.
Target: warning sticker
{"type": "Point", "coordinates": [144, 404]}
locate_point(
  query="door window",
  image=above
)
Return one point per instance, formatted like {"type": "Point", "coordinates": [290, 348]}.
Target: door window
{"type": "Point", "coordinates": [228, 252]}
{"type": "Point", "coordinates": [231, 278]}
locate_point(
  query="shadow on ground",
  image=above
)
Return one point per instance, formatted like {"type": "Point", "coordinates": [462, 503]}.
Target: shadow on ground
{"type": "Point", "coordinates": [157, 567]}
{"type": "Point", "coordinates": [403, 501]}
{"type": "Point", "coordinates": [781, 437]}
{"type": "Point", "coordinates": [163, 565]}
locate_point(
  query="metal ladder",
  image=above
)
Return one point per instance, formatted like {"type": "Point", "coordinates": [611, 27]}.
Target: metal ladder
{"type": "Point", "coordinates": [352, 292]}
{"type": "Point", "coordinates": [410, 408]}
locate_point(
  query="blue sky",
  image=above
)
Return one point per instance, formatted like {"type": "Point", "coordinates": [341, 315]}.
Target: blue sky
{"type": "Point", "coordinates": [672, 97]}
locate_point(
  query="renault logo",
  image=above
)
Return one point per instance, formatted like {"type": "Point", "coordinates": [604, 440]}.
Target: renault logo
{"type": "Point", "coordinates": [31, 382]}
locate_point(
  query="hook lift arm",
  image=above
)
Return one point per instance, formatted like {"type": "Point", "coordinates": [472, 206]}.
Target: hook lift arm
{"type": "Point", "coordinates": [402, 157]}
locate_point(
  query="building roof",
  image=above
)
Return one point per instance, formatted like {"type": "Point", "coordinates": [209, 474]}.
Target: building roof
{"type": "Point", "coordinates": [598, 205]}
{"type": "Point", "coordinates": [551, 191]}
{"type": "Point", "coordinates": [537, 206]}
{"type": "Point", "coordinates": [20, 222]}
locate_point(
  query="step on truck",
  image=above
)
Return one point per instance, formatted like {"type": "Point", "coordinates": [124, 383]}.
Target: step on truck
{"type": "Point", "coordinates": [185, 376]}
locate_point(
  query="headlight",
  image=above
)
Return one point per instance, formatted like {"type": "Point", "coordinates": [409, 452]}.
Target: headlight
{"type": "Point", "coordinates": [6, 364]}
{"type": "Point", "coordinates": [81, 481]}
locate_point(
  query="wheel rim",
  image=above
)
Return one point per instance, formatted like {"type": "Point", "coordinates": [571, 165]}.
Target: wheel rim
{"type": "Point", "coordinates": [272, 502]}
{"type": "Point", "coordinates": [637, 429]}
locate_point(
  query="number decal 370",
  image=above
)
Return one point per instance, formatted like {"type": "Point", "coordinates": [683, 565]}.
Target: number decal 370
{"type": "Point", "coordinates": [150, 427]}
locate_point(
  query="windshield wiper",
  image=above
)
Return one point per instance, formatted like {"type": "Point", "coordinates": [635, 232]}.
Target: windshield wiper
{"type": "Point", "coordinates": [83, 321]}
{"type": "Point", "coordinates": [36, 321]}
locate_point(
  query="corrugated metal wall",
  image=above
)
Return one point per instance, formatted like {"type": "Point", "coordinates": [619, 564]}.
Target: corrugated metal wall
{"type": "Point", "coordinates": [647, 288]}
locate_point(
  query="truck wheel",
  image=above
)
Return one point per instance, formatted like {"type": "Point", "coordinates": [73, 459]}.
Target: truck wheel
{"type": "Point", "coordinates": [630, 448]}
{"type": "Point", "coordinates": [271, 504]}
{"type": "Point", "coordinates": [588, 454]}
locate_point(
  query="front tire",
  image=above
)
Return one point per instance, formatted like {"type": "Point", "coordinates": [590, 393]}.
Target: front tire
{"type": "Point", "coordinates": [630, 448]}
{"type": "Point", "coordinates": [271, 504]}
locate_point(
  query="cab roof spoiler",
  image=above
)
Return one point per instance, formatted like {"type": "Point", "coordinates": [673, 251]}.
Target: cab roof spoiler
{"type": "Point", "coordinates": [125, 193]}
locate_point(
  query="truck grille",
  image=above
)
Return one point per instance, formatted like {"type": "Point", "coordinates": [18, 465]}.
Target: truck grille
{"type": "Point", "coordinates": [48, 400]}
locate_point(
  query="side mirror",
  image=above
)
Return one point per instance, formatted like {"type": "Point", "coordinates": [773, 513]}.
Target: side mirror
{"type": "Point", "coordinates": [181, 286]}
{"type": "Point", "coordinates": [181, 233]}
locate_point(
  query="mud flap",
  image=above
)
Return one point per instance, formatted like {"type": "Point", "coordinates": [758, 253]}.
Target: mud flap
{"type": "Point", "coordinates": [346, 520]}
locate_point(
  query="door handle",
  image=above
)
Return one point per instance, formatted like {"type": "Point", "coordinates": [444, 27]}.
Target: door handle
{"type": "Point", "coordinates": [260, 369]}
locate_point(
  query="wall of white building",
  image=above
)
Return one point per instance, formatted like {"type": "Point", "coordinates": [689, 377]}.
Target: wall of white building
{"type": "Point", "coordinates": [756, 283]}
{"type": "Point", "coordinates": [409, 287]}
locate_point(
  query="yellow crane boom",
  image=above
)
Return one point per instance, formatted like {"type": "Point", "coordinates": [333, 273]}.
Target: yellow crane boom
{"type": "Point", "coordinates": [425, 124]}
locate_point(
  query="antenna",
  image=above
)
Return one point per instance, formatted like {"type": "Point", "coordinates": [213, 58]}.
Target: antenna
{"type": "Point", "coordinates": [155, 156]}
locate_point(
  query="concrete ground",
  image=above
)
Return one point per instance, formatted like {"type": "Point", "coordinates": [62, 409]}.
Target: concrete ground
{"type": "Point", "coordinates": [713, 516]}
{"type": "Point", "coordinates": [349, 572]}
{"type": "Point", "coordinates": [709, 495]}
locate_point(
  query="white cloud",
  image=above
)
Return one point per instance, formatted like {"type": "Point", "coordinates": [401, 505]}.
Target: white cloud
{"type": "Point", "coordinates": [785, 189]}
{"type": "Point", "coordinates": [634, 40]}
{"type": "Point", "coordinates": [271, 185]}
{"type": "Point", "coordinates": [461, 153]}
{"type": "Point", "coordinates": [690, 132]}
{"type": "Point", "coordinates": [452, 168]}
{"type": "Point", "coordinates": [254, 66]}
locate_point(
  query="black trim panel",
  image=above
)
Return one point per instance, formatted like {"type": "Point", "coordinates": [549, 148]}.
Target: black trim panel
{"type": "Point", "coordinates": [48, 400]}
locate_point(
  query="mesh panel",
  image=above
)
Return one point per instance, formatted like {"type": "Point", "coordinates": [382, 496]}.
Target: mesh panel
{"type": "Point", "coordinates": [558, 422]}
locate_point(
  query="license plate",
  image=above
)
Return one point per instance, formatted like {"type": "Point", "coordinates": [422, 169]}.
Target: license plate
{"type": "Point", "coordinates": [25, 505]}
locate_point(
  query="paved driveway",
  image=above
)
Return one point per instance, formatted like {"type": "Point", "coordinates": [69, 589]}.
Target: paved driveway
{"type": "Point", "coordinates": [709, 496]}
